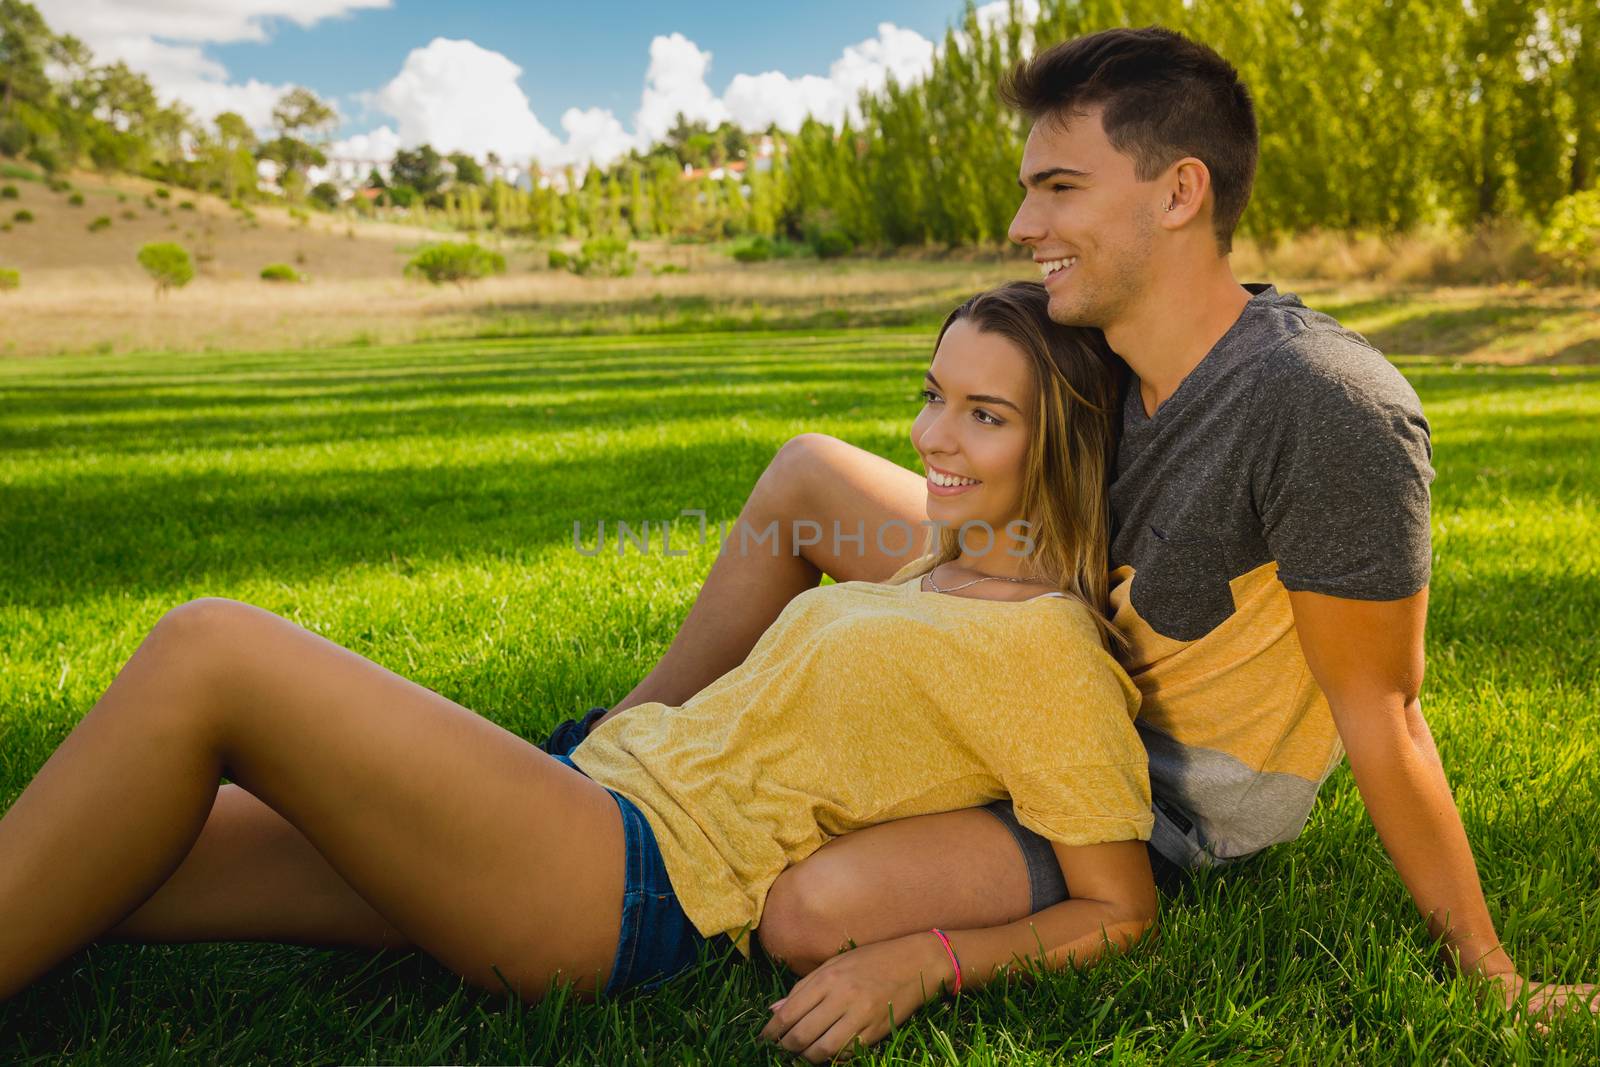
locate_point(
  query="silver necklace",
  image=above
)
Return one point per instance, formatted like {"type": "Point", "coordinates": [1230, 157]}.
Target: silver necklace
{"type": "Point", "coordinates": [986, 578]}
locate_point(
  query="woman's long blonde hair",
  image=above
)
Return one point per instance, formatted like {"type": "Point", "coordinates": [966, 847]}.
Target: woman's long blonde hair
{"type": "Point", "coordinates": [1078, 385]}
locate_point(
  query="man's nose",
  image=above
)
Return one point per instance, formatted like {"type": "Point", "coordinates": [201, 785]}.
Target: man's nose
{"type": "Point", "coordinates": [1025, 226]}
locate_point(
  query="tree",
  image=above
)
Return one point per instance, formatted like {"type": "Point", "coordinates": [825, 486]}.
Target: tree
{"type": "Point", "coordinates": [300, 112]}
{"type": "Point", "coordinates": [229, 155]}
{"type": "Point", "coordinates": [168, 265]}
{"type": "Point", "coordinates": [420, 168]}
{"type": "Point", "coordinates": [302, 122]}
{"type": "Point", "coordinates": [467, 170]}
{"type": "Point", "coordinates": [25, 47]}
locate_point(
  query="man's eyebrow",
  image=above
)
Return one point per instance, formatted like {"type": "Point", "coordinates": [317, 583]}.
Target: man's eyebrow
{"type": "Point", "coordinates": [982, 398]}
{"type": "Point", "coordinates": [1043, 176]}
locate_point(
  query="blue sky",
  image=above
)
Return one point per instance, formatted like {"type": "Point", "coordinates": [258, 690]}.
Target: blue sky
{"type": "Point", "coordinates": [577, 54]}
{"type": "Point", "coordinates": [563, 83]}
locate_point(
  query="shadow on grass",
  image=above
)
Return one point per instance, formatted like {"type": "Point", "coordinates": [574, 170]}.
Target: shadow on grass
{"type": "Point", "coordinates": [162, 411]}
{"type": "Point", "coordinates": [662, 314]}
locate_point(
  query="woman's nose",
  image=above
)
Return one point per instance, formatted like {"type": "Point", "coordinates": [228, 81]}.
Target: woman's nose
{"type": "Point", "coordinates": [937, 436]}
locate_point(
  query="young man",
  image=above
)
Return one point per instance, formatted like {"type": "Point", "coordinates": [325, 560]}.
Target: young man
{"type": "Point", "coordinates": [1271, 555]}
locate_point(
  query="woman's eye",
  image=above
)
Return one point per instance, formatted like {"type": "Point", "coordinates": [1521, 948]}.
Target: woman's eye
{"type": "Point", "coordinates": [986, 418]}
{"type": "Point", "coordinates": [928, 396]}
{"type": "Point", "coordinates": [1060, 188]}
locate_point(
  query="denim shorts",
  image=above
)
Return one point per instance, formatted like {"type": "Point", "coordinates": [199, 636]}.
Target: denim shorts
{"type": "Point", "coordinates": [1046, 886]}
{"type": "Point", "coordinates": [657, 940]}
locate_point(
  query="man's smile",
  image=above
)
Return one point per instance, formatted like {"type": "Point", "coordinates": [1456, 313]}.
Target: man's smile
{"type": "Point", "coordinates": [1050, 268]}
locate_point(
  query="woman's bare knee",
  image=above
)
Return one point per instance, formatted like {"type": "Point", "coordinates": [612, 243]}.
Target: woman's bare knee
{"type": "Point", "coordinates": [852, 497]}
{"type": "Point", "coordinates": [800, 922]}
{"type": "Point", "coordinates": [959, 869]}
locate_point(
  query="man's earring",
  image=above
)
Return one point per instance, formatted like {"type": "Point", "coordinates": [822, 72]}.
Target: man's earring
{"type": "Point", "coordinates": [1172, 203]}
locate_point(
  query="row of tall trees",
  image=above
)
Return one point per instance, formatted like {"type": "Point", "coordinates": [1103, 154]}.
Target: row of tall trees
{"type": "Point", "coordinates": [1375, 115]}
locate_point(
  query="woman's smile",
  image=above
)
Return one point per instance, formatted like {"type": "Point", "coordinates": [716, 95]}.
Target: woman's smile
{"type": "Point", "coordinates": [948, 483]}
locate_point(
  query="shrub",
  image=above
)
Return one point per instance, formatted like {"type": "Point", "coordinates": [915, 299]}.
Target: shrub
{"type": "Point", "coordinates": [9, 280]}
{"type": "Point", "coordinates": [559, 260]}
{"type": "Point", "coordinates": [280, 272]}
{"type": "Point", "coordinates": [187, 205]}
{"type": "Point", "coordinates": [669, 268]}
{"type": "Point", "coordinates": [168, 264]}
{"type": "Point", "coordinates": [22, 216]}
{"type": "Point", "coordinates": [76, 199]}
{"type": "Point", "coordinates": [830, 244]}
{"type": "Point", "coordinates": [164, 193]}
{"type": "Point", "coordinates": [325, 194]}
{"type": "Point", "coordinates": [300, 215]}
{"type": "Point", "coordinates": [58, 185]}
{"type": "Point", "coordinates": [755, 249]}
{"type": "Point", "coordinates": [8, 192]}
{"type": "Point", "coordinates": [455, 262]}
{"type": "Point", "coordinates": [605, 257]}
{"type": "Point", "coordinates": [1572, 235]}
{"type": "Point", "coordinates": [103, 222]}
{"type": "Point", "coordinates": [130, 215]}
{"type": "Point", "coordinates": [14, 170]}
{"type": "Point", "coordinates": [48, 161]}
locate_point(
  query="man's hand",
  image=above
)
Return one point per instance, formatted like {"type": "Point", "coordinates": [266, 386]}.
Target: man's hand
{"type": "Point", "coordinates": [859, 996]}
{"type": "Point", "coordinates": [1367, 656]}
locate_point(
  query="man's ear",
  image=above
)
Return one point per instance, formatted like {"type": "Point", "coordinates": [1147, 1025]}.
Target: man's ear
{"type": "Point", "coordinates": [1186, 184]}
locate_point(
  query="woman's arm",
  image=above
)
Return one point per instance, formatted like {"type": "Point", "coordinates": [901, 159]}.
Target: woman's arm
{"type": "Point", "coordinates": [863, 993]}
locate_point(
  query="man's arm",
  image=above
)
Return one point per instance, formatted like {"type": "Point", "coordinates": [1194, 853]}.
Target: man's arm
{"type": "Point", "coordinates": [1368, 658]}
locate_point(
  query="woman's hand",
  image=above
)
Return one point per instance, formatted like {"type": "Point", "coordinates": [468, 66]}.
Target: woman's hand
{"type": "Point", "coordinates": [859, 995]}
{"type": "Point", "coordinates": [1543, 1001]}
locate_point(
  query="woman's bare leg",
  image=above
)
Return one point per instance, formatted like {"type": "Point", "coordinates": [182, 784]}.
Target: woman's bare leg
{"type": "Point", "coordinates": [479, 848]}
{"type": "Point", "coordinates": [252, 876]}
{"type": "Point", "coordinates": [813, 477]}
{"type": "Point", "coordinates": [957, 869]}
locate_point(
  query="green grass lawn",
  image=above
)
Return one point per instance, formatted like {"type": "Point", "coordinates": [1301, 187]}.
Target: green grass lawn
{"type": "Point", "coordinates": [416, 504]}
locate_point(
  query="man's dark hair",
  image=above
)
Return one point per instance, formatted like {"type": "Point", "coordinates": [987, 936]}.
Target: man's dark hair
{"type": "Point", "coordinates": [1163, 97]}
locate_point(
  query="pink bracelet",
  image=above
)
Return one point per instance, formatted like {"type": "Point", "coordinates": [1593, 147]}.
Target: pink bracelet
{"type": "Point", "coordinates": [945, 941]}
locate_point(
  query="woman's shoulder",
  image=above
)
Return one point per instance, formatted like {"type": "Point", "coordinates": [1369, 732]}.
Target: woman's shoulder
{"type": "Point", "coordinates": [916, 568]}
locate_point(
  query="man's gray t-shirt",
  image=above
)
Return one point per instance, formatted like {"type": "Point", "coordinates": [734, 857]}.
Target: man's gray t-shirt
{"type": "Point", "coordinates": [1293, 457]}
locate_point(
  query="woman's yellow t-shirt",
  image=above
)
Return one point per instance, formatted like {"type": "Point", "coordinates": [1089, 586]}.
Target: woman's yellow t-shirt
{"type": "Point", "coordinates": [866, 702]}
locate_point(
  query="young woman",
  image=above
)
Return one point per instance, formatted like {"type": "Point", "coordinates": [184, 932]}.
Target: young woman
{"type": "Point", "coordinates": [368, 810]}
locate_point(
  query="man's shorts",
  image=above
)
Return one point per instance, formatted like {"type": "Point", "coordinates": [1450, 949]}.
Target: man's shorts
{"type": "Point", "coordinates": [1046, 886]}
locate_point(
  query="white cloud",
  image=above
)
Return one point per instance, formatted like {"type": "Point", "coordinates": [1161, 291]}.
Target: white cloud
{"type": "Point", "coordinates": [593, 136]}
{"type": "Point", "coordinates": [675, 84]}
{"type": "Point", "coordinates": [994, 14]}
{"type": "Point", "coordinates": [756, 101]}
{"type": "Point", "coordinates": [460, 97]}
{"type": "Point", "coordinates": [129, 30]}
{"type": "Point", "coordinates": [761, 99]}
{"type": "Point", "coordinates": [378, 144]}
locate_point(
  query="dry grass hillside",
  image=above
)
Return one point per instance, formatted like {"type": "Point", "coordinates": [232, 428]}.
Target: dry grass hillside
{"type": "Point", "coordinates": [83, 291]}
